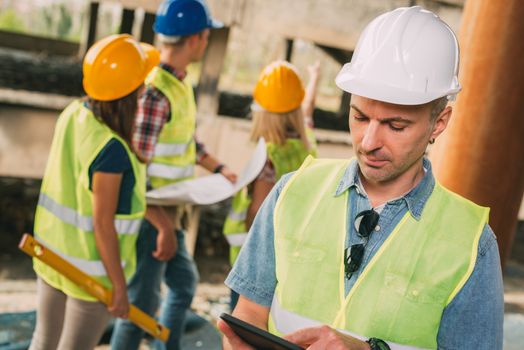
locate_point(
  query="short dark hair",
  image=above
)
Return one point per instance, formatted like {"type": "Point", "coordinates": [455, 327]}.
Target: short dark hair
{"type": "Point", "coordinates": [180, 41]}
{"type": "Point", "coordinates": [437, 106]}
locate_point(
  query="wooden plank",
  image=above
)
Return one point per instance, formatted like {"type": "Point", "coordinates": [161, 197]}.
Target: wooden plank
{"type": "Point", "coordinates": [90, 35]}
{"type": "Point", "coordinates": [193, 213]}
{"type": "Point", "coordinates": [128, 18]}
{"type": "Point", "coordinates": [34, 43]}
{"type": "Point", "coordinates": [34, 99]}
{"type": "Point", "coordinates": [93, 21]}
{"type": "Point", "coordinates": [334, 23]}
{"type": "Point", "coordinates": [339, 55]}
{"type": "Point", "coordinates": [147, 34]}
{"type": "Point", "coordinates": [226, 11]}
{"type": "Point", "coordinates": [148, 5]}
{"type": "Point", "coordinates": [328, 22]}
{"type": "Point", "coordinates": [289, 49]}
{"type": "Point", "coordinates": [211, 67]}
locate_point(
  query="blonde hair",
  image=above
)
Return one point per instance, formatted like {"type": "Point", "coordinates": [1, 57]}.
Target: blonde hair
{"type": "Point", "coordinates": [275, 127]}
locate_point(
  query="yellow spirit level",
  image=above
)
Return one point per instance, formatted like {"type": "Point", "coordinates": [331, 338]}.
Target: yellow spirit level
{"type": "Point", "coordinates": [32, 247]}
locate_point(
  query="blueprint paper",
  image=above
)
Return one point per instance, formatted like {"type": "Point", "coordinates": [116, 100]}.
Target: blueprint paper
{"type": "Point", "coordinates": [211, 188]}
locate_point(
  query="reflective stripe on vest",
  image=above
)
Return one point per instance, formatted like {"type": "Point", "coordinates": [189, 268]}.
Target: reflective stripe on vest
{"type": "Point", "coordinates": [235, 229]}
{"type": "Point", "coordinates": [402, 292]}
{"type": "Point", "coordinates": [171, 149]}
{"type": "Point", "coordinates": [175, 152]}
{"type": "Point", "coordinates": [236, 239]}
{"type": "Point", "coordinates": [85, 223]}
{"type": "Point", "coordinates": [286, 322]}
{"type": "Point", "coordinates": [170, 172]}
{"type": "Point", "coordinates": [233, 215]}
{"type": "Point", "coordinates": [91, 267]}
{"type": "Point", "coordinates": [64, 214]}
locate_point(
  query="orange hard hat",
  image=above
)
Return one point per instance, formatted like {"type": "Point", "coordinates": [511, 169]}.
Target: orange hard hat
{"type": "Point", "coordinates": [279, 88]}
{"type": "Point", "coordinates": [117, 65]}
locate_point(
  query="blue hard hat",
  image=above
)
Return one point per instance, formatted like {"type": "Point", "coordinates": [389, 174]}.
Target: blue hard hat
{"type": "Point", "coordinates": [183, 17]}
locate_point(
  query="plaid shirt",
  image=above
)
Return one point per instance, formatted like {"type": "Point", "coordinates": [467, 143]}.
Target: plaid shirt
{"type": "Point", "coordinates": [152, 113]}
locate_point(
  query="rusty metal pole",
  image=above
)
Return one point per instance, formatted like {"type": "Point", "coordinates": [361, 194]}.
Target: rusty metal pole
{"type": "Point", "coordinates": [481, 155]}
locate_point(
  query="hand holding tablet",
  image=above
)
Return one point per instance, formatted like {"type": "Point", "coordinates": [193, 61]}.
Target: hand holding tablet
{"type": "Point", "coordinates": [256, 337]}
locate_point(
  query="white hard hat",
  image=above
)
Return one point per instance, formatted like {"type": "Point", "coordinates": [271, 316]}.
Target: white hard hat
{"type": "Point", "coordinates": [408, 56]}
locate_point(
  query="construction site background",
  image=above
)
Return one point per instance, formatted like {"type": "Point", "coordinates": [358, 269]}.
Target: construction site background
{"type": "Point", "coordinates": [247, 52]}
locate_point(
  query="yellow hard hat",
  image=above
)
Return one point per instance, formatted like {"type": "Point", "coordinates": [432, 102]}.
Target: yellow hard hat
{"type": "Point", "coordinates": [117, 65]}
{"type": "Point", "coordinates": [279, 88]}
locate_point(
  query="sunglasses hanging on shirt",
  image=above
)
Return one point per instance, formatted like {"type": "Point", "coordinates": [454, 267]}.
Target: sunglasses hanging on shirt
{"type": "Point", "coordinates": [365, 223]}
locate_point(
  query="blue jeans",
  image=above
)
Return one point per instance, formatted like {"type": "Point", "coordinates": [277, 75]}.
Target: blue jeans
{"type": "Point", "coordinates": [181, 277]}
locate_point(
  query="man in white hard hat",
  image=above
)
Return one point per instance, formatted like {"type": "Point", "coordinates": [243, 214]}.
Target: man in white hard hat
{"type": "Point", "coordinates": [372, 252]}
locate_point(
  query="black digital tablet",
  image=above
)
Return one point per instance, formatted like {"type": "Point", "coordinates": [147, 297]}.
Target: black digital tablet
{"type": "Point", "coordinates": [256, 337]}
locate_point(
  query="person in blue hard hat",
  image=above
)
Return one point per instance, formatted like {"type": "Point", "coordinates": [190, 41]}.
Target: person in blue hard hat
{"type": "Point", "coordinates": [165, 137]}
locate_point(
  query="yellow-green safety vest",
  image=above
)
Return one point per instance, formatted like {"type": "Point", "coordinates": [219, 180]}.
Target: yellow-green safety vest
{"type": "Point", "coordinates": [64, 214]}
{"type": "Point", "coordinates": [285, 158]}
{"type": "Point", "coordinates": [175, 152]}
{"type": "Point", "coordinates": [401, 294]}
{"type": "Point", "coordinates": [312, 139]}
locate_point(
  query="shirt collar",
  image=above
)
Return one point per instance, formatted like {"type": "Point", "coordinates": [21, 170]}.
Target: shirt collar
{"type": "Point", "coordinates": [415, 199]}
{"type": "Point", "coordinates": [179, 75]}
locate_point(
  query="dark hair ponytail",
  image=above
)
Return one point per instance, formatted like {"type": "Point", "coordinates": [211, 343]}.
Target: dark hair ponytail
{"type": "Point", "coordinates": [119, 115]}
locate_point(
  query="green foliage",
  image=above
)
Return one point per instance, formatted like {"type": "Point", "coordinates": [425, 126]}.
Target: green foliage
{"type": "Point", "coordinates": [52, 21]}
{"type": "Point", "coordinates": [9, 20]}
{"type": "Point", "coordinates": [64, 23]}
{"type": "Point", "coordinates": [47, 17]}
{"type": "Point", "coordinates": [57, 21]}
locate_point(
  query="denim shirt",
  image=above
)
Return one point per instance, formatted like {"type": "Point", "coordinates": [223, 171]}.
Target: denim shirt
{"type": "Point", "coordinates": [473, 319]}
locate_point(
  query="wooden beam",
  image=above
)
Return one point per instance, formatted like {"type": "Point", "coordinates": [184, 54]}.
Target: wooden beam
{"type": "Point", "coordinates": [126, 24]}
{"type": "Point", "coordinates": [289, 49]}
{"type": "Point", "coordinates": [148, 5]}
{"type": "Point", "coordinates": [226, 11]}
{"type": "Point", "coordinates": [93, 22]}
{"type": "Point", "coordinates": [339, 55]}
{"type": "Point", "coordinates": [90, 35]}
{"type": "Point", "coordinates": [147, 34]}
{"type": "Point", "coordinates": [27, 42]}
{"type": "Point", "coordinates": [481, 155]}
{"type": "Point", "coordinates": [210, 73]}
{"type": "Point", "coordinates": [193, 221]}
{"type": "Point", "coordinates": [332, 23]}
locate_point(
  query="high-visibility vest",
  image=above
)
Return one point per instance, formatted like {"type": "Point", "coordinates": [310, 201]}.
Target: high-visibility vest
{"type": "Point", "coordinates": [64, 214]}
{"type": "Point", "coordinates": [175, 152]}
{"type": "Point", "coordinates": [285, 158]}
{"type": "Point", "coordinates": [312, 139]}
{"type": "Point", "coordinates": [235, 229]}
{"type": "Point", "coordinates": [402, 292]}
